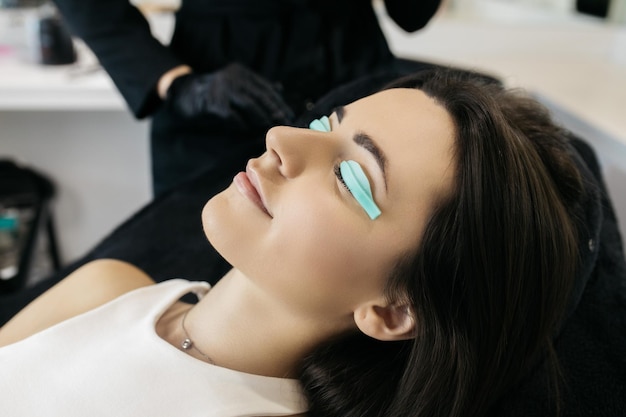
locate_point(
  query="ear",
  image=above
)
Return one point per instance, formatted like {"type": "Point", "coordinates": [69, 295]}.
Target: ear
{"type": "Point", "coordinates": [385, 322]}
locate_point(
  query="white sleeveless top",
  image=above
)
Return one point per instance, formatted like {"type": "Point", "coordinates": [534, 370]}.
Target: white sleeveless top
{"type": "Point", "coordinates": [111, 362]}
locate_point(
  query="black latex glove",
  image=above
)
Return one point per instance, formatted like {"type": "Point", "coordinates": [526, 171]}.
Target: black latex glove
{"type": "Point", "coordinates": [233, 94]}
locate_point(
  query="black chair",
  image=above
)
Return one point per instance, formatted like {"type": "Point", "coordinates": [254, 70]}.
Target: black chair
{"type": "Point", "coordinates": [25, 215]}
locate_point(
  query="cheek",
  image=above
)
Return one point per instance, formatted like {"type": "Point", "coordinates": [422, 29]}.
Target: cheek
{"type": "Point", "coordinates": [332, 249]}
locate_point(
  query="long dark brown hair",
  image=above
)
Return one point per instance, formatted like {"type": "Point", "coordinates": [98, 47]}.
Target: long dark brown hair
{"type": "Point", "coordinates": [491, 278]}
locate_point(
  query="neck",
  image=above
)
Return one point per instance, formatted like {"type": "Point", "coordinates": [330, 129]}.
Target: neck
{"type": "Point", "coordinates": [241, 328]}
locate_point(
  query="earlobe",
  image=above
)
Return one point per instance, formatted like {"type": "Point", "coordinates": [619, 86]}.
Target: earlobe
{"type": "Point", "coordinates": [386, 323]}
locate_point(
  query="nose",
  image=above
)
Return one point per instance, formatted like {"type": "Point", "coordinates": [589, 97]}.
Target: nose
{"type": "Point", "coordinates": [300, 149]}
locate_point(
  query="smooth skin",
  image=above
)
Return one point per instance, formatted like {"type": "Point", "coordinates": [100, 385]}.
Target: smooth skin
{"type": "Point", "coordinates": [86, 288]}
{"type": "Point", "coordinates": [308, 261]}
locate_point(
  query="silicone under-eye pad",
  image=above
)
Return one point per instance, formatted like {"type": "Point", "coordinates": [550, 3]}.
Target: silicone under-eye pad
{"type": "Point", "coordinates": [325, 122]}
{"type": "Point", "coordinates": [322, 124]}
{"type": "Point", "coordinates": [359, 186]}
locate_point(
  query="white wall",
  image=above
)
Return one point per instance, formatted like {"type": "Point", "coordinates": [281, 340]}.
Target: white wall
{"type": "Point", "coordinates": [99, 161]}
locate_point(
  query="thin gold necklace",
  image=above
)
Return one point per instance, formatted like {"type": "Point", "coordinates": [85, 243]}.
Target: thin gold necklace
{"type": "Point", "coordinates": [187, 343]}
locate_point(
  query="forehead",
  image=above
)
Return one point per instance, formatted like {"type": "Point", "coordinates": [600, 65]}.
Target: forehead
{"type": "Point", "coordinates": [411, 128]}
{"type": "Point", "coordinates": [407, 108]}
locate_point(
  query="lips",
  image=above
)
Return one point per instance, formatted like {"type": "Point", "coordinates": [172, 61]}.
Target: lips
{"type": "Point", "coordinates": [248, 184]}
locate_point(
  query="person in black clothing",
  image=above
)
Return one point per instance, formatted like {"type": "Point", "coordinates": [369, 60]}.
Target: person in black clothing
{"type": "Point", "coordinates": [251, 62]}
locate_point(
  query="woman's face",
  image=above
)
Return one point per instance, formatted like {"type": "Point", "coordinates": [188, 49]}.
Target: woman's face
{"type": "Point", "coordinates": [291, 226]}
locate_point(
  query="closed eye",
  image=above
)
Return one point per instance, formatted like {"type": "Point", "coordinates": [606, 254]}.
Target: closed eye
{"type": "Point", "coordinates": [337, 170]}
{"type": "Point", "coordinates": [358, 184]}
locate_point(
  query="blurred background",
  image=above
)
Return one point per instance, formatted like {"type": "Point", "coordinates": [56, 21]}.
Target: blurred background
{"type": "Point", "coordinates": [61, 115]}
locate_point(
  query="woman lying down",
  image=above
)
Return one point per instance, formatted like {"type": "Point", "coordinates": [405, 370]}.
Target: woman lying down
{"type": "Point", "coordinates": [410, 254]}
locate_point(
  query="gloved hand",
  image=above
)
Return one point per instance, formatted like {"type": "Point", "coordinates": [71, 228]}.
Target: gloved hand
{"type": "Point", "coordinates": [234, 94]}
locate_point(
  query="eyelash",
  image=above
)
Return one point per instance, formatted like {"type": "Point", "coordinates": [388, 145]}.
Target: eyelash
{"type": "Point", "coordinates": [337, 171]}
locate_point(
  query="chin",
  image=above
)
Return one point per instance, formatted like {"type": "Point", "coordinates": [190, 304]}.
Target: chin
{"type": "Point", "coordinates": [221, 226]}
{"type": "Point", "coordinates": [210, 219]}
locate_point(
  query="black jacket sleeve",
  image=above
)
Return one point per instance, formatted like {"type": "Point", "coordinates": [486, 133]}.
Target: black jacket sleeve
{"type": "Point", "coordinates": [411, 15]}
{"type": "Point", "coordinates": [121, 39]}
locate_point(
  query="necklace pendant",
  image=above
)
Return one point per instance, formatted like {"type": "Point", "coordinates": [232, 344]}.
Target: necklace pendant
{"type": "Point", "coordinates": [187, 344]}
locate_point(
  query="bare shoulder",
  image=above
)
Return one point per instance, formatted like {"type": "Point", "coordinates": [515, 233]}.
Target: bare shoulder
{"type": "Point", "coordinates": [88, 287]}
{"type": "Point", "coordinates": [101, 281]}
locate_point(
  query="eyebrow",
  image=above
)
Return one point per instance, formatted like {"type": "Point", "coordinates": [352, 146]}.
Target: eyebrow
{"type": "Point", "coordinates": [365, 141]}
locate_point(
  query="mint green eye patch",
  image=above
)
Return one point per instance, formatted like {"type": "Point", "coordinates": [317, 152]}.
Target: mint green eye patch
{"type": "Point", "coordinates": [322, 124]}
{"type": "Point", "coordinates": [359, 186]}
